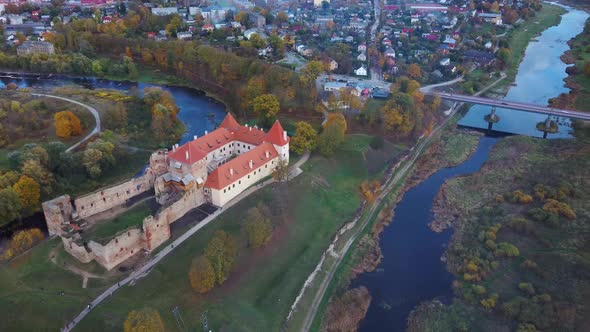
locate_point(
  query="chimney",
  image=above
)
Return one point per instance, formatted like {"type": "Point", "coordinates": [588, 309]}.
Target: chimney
{"type": "Point", "coordinates": [246, 125]}
{"type": "Point", "coordinates": [173, 147]}
{"type": "Point", "coordinates": [206, 132]}
{"type": "Point", "coordinates": [250, 164]}
{"type": "Point", "coordinates": [231, 171]}
{"type": "Point", "coordinates": [285, 135]}
{"type": "Point", "coordinates": [195, 137]}
{"type": "Point", "coordinates": [186, 154]}
{"type": "Point", "coordinates": [267, 154]}
{"type": "Point", "coordinates": [250, 128]}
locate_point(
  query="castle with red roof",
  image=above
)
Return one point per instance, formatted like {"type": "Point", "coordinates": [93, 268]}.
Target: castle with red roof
{"type": "Point", "coordinates": [224, 162]}
{"type": "Point", "coordinates": [214, 169]}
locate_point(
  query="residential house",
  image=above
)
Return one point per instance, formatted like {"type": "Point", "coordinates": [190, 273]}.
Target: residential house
{"type": "Point", "coordinates": [361, 71]}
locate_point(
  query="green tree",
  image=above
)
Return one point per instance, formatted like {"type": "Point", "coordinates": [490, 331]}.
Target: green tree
{"type": "Point", "coordinates": [258, 227]}
{"type": "Point", "coordinates": [333, 134]}
{"type": "Point", "coordinates": [305, 138]}
{"type": "Point", "coordinates": [266, 108]}
{"type": "Point", "coordinates": [202, 275]}
{"type": "Point", "coordinates": [144, 320]}
{"type": "Point", "coordinates": [10, 205]}
{"type": "Point", "coordinates": [221, 252]}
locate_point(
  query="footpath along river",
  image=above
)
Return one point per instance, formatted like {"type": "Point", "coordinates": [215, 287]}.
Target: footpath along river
{"type": "Point", "coordinates": [411, 270]}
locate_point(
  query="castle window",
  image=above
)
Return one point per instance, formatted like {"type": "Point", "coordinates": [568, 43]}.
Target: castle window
{"type": "Point", "coordinates": [224, 191]}
{"type": "Point", "coordinates": [248, 176]}
{"type": "Point", "coordinates": [234, 185]}
{"type": "Point", "coordinates": [91, 204]}
{"type": "Point", "coordinates": [240, 182]}
{"type": "Point", "coordinates": [128, 233]}
{"type": "Point", "coordinates": [116, 240]}
{"type": "Point", "coordinates": [266, 166]}
{"type": "Point", "coordinates": [104, 199]}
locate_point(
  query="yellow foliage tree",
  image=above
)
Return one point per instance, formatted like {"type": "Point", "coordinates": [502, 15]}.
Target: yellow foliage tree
{"type": "Point", "coordinates": [67, 124]}
{"type": "Point", "coordinates": [202, 275]}
{"type": "Point", "coordinates": [28, 191]}
{"type": "Point", "coordinates": [143, 321]}
{"type": "Point", "coordinates": [22, 241]}
{"type": "Point", "coordinates": [414, 71]}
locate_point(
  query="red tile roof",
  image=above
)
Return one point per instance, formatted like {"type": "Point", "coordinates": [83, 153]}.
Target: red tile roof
{"type": "Point", "coordinates": [223, 177]}
{"type": "Point", "coordinates": [276, 135]}
{"type": "Point", "coordinates": [230, 123]}
{"type": "Point", "coordinates": [228, 131]}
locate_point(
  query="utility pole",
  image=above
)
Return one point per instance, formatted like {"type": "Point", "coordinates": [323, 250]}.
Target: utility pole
{"type": "Point", "coordinates": [205, 321]}
{"type": "Point", "coordinates": [178, 317]}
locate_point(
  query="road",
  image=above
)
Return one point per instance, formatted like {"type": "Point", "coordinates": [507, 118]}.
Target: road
{"type": "Point", "coordinates": [374, 69]}
{"type": "Point", "coordinates": [503, 103]}
{"type": "Point", "coordinates": [91, 109]}
{"type": "Point", "coordinates": [145, 269]}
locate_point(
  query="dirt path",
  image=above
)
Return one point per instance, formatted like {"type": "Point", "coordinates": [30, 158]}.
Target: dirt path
{"type": "Point", "coordinates": [74, 269]}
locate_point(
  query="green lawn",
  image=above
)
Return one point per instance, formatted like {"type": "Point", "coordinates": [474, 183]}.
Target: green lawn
{"type": "Point", "coordinates": [29, 287]}
{"type": "Point", "coordinates": [104, 231]}
{"type": "Point", "coordinates": [264, 283]}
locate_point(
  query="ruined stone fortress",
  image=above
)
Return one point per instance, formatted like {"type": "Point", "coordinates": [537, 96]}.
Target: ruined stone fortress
{"type": "Point", "coordinates": [213, 169]}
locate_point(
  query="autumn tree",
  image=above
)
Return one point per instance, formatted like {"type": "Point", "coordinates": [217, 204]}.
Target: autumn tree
{"type": "Point", "coordinates": [266, 107]}
{"type": "Point", "coordinates": [305, 138]}
{"type": "Point", "coordinates": [241, 17]}
{"type": "Point", "coordinates": [258, 227]}
{"type": "Point", "coordinates": [67, 124]}
{"type": "Point", "coordinates": [310, 72]}
{"type": "Point", "coordinates": [28, 191]}
{"type": "Point", "coordinates": [281, 171]}
{"type": "Point", "coordinates": [414, 71]}
{"type": "Point", "coordinates": [504, 55]}
{"type": "Point", "coordinates": [202, 275]}
{"type": "Point", "coordinates": [221, 252]}
{"type": "Point", "coordinates": [332, 135]}
{"type": "Point", "coordinates": [370, 190]}
{"type": "Point", "coordinates": [22, 241]}
{"type": "Point", "coordinates": [144, 320]}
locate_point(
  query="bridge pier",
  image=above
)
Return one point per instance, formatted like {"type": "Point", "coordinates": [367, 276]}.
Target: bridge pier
{"type": "Point", "coordinates": [547, 127]}
{"type": "Point", "coordinates": [491, 118]}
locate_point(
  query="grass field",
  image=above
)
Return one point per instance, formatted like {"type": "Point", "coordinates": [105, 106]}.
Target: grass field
{"type": "Point", "coordinates": [29, 287]}
{"type": "Point", "coordinates": [104, 231]}
{"type": "Point", "coordinates": [264, 283]}
{"type": "Point", "coordinates": [581, 53]}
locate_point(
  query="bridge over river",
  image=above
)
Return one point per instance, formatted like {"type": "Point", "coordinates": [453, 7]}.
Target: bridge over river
{"type": "Point", "coordinates": [503, 103]}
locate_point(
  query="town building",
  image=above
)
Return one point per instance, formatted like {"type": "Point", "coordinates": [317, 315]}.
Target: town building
{"type": "Point", "coordinates": [31, 47]}
{"type": "Point", "coordinates": [362, 71]}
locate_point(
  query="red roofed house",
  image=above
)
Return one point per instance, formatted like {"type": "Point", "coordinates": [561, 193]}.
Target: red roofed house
{"type": "Point", "coordinates": [225, 162]}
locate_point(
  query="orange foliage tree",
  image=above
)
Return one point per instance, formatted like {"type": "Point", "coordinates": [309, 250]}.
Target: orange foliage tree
{"type": "Point", "coordinates": [202, 275]}
{"type": "Point", "coordinates": [67, 124]}
{"type": "Point", "coordinates": [22, 241]}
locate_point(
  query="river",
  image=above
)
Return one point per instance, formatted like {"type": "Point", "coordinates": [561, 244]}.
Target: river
{"type": "Point", "coordinates": [411, 270]}
{"type": "Point", "coordinates": [540, 78]}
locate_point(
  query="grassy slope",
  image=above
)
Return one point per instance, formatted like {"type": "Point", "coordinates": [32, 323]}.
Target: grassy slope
{"type": "Point", "coordinates": [259, 292]}
{"type": "Point", "coordinates": [560, 251]}
{"type": "Point", "coordinates": [29, 287]}
{"type": "Point", "coordinates": [581, 54]}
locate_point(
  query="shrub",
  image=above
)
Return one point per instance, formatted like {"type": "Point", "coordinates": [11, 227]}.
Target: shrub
{"type": "Point", "coordinates": [377, 142]}
{"type": "Point", "coordinates": [559, 208]}
{"type": "Point", "coordinates": [508, 249]}
{"type": "Point", "coordinates": [490, 302]}
{"type": "Point", "coordinates": [520, 197]}
{"type": "Point", "coordinates": [479, 290]}
{"type": "Point", "coordinates": [527, 287]}
{"type": "Point", "coordinates": [202, 275]}
{"type": "Point", "coordinates": [22, 241]}
{"type": "Point", "coordinates": [144, 320]}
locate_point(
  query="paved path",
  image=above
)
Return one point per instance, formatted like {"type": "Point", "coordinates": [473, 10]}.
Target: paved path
{"type": "Point", "coordinates": [145, 269]}
{"type": "Point", "coordinates": [428, 88]}
{"type": "Point", "coordinates": [92, 110]}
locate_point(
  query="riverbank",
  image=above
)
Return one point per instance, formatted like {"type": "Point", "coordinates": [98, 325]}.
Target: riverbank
{"type": "Point", "coordinates": [145, 75]}
{"type": "Point", "coordinates": [578, 79]}
{"type": "Point", "coordinates": [519, 38]}
{"type": "Point", "coordinates": [520, 228]}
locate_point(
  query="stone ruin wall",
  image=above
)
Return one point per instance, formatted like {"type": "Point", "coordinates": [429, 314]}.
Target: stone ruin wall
{"type": "Point", "coordinates": [111, 197]}
{"type": "Point", "coordinates": [155, 231]}
{"type": "Point", "coordinates": [58, 212]}
{"type": "Point", "coordinates": [77, 251]}
{"type": "Point", "coordinates": [108, 198]}
{"type": "Point", "coordinates": [119, 248]}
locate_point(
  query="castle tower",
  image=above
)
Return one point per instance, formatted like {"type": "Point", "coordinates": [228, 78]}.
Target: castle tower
{"type": "Point", "coordinates": [278, 137]}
